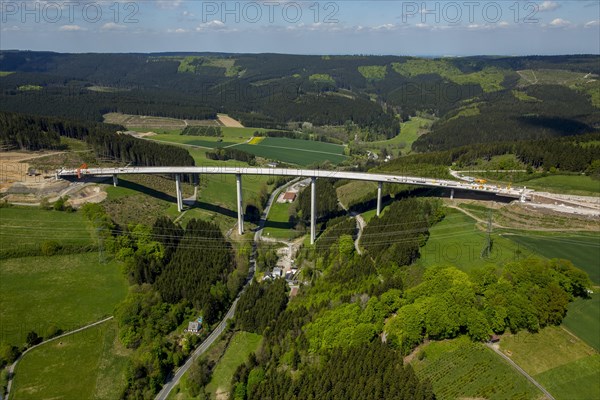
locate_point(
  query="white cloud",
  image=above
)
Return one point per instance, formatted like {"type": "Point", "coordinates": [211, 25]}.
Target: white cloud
{"type": "Point", "coordinates": [214, 25]}
{"type": "Point", "coordinates": [549, 6]}
{"type": "Point", "coordinates": [560, 23]}
{"type": "Point", "coordinates": [71, 28]}
{"type": "Point", "coordinates": [111, 26]}
{"type": "Point", "coordinates": [592, 24]}
{"type": "Point", "coordinates": [178, 30]}
{"type": "Point", "coordinates": [168, 3]}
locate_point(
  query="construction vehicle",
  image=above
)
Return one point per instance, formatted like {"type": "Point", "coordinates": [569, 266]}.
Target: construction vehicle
{"type": "Point", "coordinates": [82, 166]}
{"type": "Point", "coordinates": [481, 181]}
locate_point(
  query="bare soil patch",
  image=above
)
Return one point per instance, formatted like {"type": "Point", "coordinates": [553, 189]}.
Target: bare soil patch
{"type": "Point", "coordinates": [229, 122]}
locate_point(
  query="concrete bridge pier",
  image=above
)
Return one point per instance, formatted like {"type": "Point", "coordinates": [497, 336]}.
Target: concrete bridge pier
{"type": "Point", "coordinates": [451, 194]}
{"type": "Point", "coordinates": [313, 210]}
{"type": "Point", "coordinates": [379, 189]}
{"type": "Point", "coordinates": [240, 208]}
{"type": "Point", "coordinates": [523, 195]}
{"type": "Point", "coordinates": [179, 194]}
{"type": "Point", "coordinates": [115, 180]}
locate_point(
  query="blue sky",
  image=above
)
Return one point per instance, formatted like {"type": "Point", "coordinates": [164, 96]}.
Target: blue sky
{"type": "Point", "coordinates": [452, 28]}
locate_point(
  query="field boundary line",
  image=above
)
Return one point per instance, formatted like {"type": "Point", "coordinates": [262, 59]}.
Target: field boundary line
{"type": "Point", "coordinates": [521, 370]}
{"type": "Point", "coordinates": [13, 366]}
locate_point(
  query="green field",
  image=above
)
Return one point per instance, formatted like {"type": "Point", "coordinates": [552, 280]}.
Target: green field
{"type": "Point", "coordinates": [578, 380]}
{"type": "Point", "coordinates": [63, 291]}
{"type": "Point", "coordinates": [28, 227]}
{"type": "Point", "coordinates": [461, 369]}
{"type": "Point", "coordinates": [240, 347]}
{"type": "Point", "coordinates": [583, 251]}
{"type": "Point", "coordinates": [583, 319]}
{"type": "Point", "coordinates": [490, 79]}
{"type": "Point", "coordinates": [569, 184]}
{"type": "Point", "coordinates": [354, 191]}
{"type": "Point", "coordinates": [296, 151]}
{"type": "Point", "coordinates": [5, 73]}
{"type": "Point", "coordinates": [569, 371]}
{"type": "Point", "coordinates": [457, 241]}
{"type": "Point", "coordinates": [409, 132]}
{"type": "Point", "coordinates": [373, 72]}
{"type": "Point", "coordinates": [278, 225]}
{"type": "Point", "coordinates": [87, 365]}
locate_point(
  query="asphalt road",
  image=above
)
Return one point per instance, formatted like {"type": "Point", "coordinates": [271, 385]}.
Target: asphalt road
{"type": "Point", "coordinates": [214, 335]}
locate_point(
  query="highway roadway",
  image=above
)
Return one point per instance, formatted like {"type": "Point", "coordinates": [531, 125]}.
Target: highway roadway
{"type": "Point", "coordinates": [520, 193]}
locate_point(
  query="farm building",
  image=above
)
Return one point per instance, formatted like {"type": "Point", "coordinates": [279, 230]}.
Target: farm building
{"type": "Point", "coordinates": [289, 197]}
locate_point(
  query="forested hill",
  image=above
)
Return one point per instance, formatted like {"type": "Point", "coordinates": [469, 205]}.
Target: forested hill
{"type": "Point", "coordinates": [477, 98]}
{"type": "Point", "coordinates": [28, 132]}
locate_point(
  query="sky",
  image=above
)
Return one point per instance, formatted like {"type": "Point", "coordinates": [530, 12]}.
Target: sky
{"type": "Point", "coordinates": [418, 28]}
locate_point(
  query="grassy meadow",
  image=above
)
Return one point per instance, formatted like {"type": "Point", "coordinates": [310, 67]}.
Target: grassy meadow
{"type": "Point", "coordinates": [86, 365]}
{"type": "Point", "coordinates": [457, 241]}
{"type": "Point", "coordinates": [582, 250]}
{"type": "Point", "coordinates": [569, 371]}
{"type": "Point", "coordinates": [583, 319]}
{"type": "Point", "coordinates": [240, 347]}
{"type": "Point", "coordinates": [67, 292]}
{"type": "Point", "coordinates": [26, 228]}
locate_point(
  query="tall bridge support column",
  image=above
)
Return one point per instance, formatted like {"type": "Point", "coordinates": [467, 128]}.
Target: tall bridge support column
{"type": "Point", "coordinates": [313, 210]}
{"type": "Point", "coordinates": [115, 180]}
{"type": "Point", "coordinates": [240, 208]}
{"type": "Point", "coordinates": [523, 195]}
{"type": "Point", "coordinates": [451, 194]}
{"type": "Point", "coordinates": [179, 194]}
{"type": "Point", "coordinates": [379, 188]}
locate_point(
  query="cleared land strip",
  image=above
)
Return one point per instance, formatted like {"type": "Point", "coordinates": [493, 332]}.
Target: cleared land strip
{"type": "Point", "coordinates": [11, 370]}
{"type": "Point", "coordinates": [521, 371]}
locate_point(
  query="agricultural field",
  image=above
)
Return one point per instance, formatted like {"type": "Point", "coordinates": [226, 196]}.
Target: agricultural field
{"type": "Point", "coordinates": [86, 365]}
{"type": "Point", "coordinates": [457, 241]}
{"type": "Point", "coordinates": [581, 250]}
{"type": "Point", "coordinates": [277, 225]}
{"type": "Point", "coordinates": [24, 229]}
{"type": "Point", "coordinates": [566, 184]}
{"type": "Point", "coordinates": [460, 368]}
{"type": "Point", "coordinates": [149, 122]}
{"type": "Point", "coordinates": [240, 347]}
{"type": "Point", "coordinates": [569, 371]}
{"type": "Point", "coordinates": [66, 292]}
{"type": "Point", "coordinates": [296, 151]}
{"type": "Point", "coordinates": [583, 319]}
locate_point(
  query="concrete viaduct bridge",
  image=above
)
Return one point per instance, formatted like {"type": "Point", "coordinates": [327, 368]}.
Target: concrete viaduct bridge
{"type": "Point", "coordinates": [519, 193]}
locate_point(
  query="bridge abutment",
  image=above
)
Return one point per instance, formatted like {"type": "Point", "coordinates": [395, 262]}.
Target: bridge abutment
{"type": "Point", "coordinates": [115, 180]}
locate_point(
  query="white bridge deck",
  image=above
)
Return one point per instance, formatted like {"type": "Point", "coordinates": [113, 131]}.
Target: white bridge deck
{"type": "Point", "coordinates": [520, 193]}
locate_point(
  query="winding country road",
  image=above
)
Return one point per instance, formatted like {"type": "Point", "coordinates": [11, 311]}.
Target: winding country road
{"type": "Point", "coordinates": [214, 335]}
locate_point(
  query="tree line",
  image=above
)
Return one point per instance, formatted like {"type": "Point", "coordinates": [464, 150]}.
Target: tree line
{"type": "Point", "coordinates": [30, 132]}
